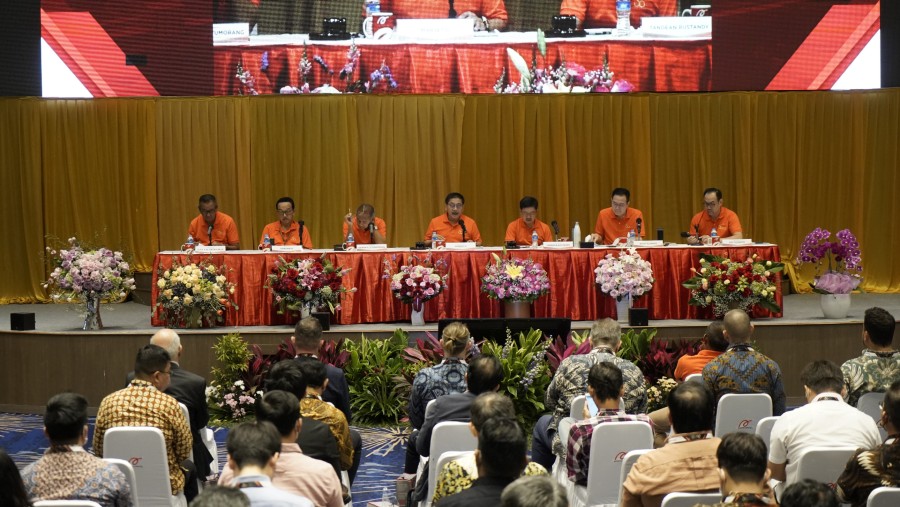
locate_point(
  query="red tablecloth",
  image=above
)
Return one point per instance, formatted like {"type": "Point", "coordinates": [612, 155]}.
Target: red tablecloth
{"type": "Point", "coordinates": [652, 65]}
{"type": "Point", "coordinates": [572, 295]}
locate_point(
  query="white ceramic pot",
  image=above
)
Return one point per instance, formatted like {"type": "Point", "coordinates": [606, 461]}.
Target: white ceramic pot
{"type": "Point", "coordinates": [835, 306]}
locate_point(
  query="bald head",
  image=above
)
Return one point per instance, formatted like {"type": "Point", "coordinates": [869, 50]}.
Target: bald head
{"type": "Point", "coordinates": [737, 326]}
{"type": "Point", "coordinates": [169, 340]}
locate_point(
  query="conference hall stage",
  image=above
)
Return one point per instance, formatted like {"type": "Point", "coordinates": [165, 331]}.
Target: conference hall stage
{"type": "Point", "coordinates": [59, 356]}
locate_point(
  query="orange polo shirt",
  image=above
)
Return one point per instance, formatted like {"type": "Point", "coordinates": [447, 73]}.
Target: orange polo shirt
{"type": "Point", "coordinates": [688, 365]}
{"type": "Point", "coordinates": [224, 230]}
{"type": "Point", "coordinates": [492, 9]}
{"type": "Point", "coordinates": [602, 13]}
{"type": "Point", "coordinates": [288, 237]}
{"type": "Point", "coordinates": [726, 225]}
{"type": "Point", "coordinates": [610, 227]}
{"type": "Point", "coordinates": [453, 233]}
{"type": "Point", "coordinates": [519, 232]}
{"type": "Point", "coordinates": [363, 236]}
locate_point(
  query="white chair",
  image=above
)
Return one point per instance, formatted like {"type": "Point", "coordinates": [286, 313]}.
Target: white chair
{"type": "Point", "coordinates": [764, 428]}
{"type": "Point", "coordinates": [628, 462]}
{"type": "Point", "coordinates": [823, 464]}
{"type": "Point", "coordinates": [610, 442]}
{"type": "Point", "coordinates": [187, 418]}
{"type": "Point", "coordinates": [128, 471]}
{"type": "Point", "coordinates": [559, 466]}
{"type": "Point", "coordinates": [741, 412]}
{"type": "Point", "coordinates": [445, 458]}
{"type": "Point", "coordinates": [694, 377]}
{"type": "Point", "coordinates": [576, 411]}
{"type": "Point", "coordinates": [884, 497]}
{"type": "Point", "coordinates": [870, 404]}
{"type": "Point", "coordinates": [690, 499]}
{"type": "Point", "coordinates": [66, 503]}
{"type": "Point", "coordinates": [447, 436]}
{"type": "Point", "coordinates": [209, 440]}
{"type": "Point", "coordinates": [145, 448]}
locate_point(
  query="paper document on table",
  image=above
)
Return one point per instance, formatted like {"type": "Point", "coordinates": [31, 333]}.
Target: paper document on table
{"type": "Point", "coordinates": [435, 29]}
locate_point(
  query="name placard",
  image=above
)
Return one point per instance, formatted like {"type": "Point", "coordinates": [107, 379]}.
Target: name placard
{"type": "Point", "coordinates": [371, 247]}
{"type": "Point", "coordinates": [557, 244]}
{"type": "Point", "coordinates": [209, 249]}
{"type": "Point", "coordinates": [468, 245]}
{"type": "Point", "coordinates": [737, 242]}
{"type": "Point", "coordinates": [287, 248]}
{"type": "Point", "coordinates": [648, 242]}
{"type": "Point", "coordinates": [435, 29]}
{"type": "Point", "coordinates": [677, 27]}
{"type": "Point", "coordinates": [231, 32]}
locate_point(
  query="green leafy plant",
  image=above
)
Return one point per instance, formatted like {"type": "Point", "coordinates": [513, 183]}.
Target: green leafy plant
{"type": "Point", "coordinates": [636, 345]}
{"type": "Point", "coordinates": [371, 370]}
{"type": "Point", "coordinates": [525, 372]}
{"type": "Point", "coordinates": [228, 396]}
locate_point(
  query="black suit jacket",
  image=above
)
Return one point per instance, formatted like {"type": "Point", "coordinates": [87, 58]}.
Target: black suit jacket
{"type": "Point", "coordinates": [450, 407]}
{"type": "Point", "coordinates": [484, 492]}
{"type": "Point", "coordinates": [317, 441]}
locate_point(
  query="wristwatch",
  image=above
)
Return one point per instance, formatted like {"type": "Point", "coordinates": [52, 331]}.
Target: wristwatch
{"type": "Point", "coordinates": [487, 26]}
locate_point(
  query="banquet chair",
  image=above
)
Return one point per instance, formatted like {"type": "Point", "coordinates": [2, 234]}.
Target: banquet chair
{"type": "Point", "coordinates": [764, 428]}
{"type": "Point", "coordinates": [559, 466]}
{"type": "Point", "coordinates": [128, 471]}
{"type": "Point", "coordinates": [870, 404]}
{"type": "Point", "coordinates": [145, 448]}
{"type": "Point", "coordinates": [576, 411]}
{"type": "Point", "coordinates": [628, 462]}
{"type": "Point", "coordinates": [447, 436]}
{"type": "Point", "coordinates": [610, 442]}
{"type": "Point", "coordinates": [884, 497]}
{"type": "Point", "coordinates": [823, 464]}
{"type": "Point", "coordinates": [690, 499]}
{"type": "Point", "coordinates": [694, 377]}
{"type": "Point", "coordinates": [445, 458]}
{"type": "Point", "coordinates": [741, 412]}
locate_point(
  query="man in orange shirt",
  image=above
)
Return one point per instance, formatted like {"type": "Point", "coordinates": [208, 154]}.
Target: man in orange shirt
{"type": "Point", "coordinates": [453, 226]}
{"type": "Point", "coordinates": [212, 227]}
{"type": "Point", "coordinates": [488, 14]}
{"type": "Point", "coordinates": [617, 220]}
{"type": "Point", "coordinates": [367, 228]}
{"type": "Point", "coordinates": [520, 230]}
{"type": "Point", "coordinates": [712, 345]}
{"type": "Point", "coordinates": [723, 219]}
{"type": "Point", "coordinates": [602, 13]}
{"type": "Point", "coordinates": [286, 231]}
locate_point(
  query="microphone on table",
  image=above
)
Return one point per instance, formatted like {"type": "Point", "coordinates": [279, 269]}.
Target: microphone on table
{"type": "Point", "coordinates": [452, 11]}
{"type": "Point", "coordinates": [462, 225]}
{"type": "Point", "coordinates": [300, 231]}
{"type": "Point", "coordinates": [555, 226]}
{"type": "Point", "coordinates": [209, 234]}
{"type": "Point", "coordinates": [638, 224]}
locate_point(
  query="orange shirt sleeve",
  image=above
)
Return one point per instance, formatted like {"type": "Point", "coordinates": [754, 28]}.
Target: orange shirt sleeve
{"type": "Point", "coordinates": [230, 231]}
{"type": "Point", "coordinates": [697, 225]}
{"type": "Point", "coordinates": [432, 227]}
{"type": "Point", "coordinates": [544, 232]}
{"type": "Point", "coordinates": [640, 215]}
{"type": "Point", "coordinates": [492, 9]}
{"type": "Point", "coordinates": [733, 223]}
{"type": "Point", "coordinates": [511, 231]}
{"type": "Point", "coordinates": [307, 241]}
{"type": "Point", "coordinates": [472, 232]}
{"type": "Point", "coordinates": [598, 227]}
{"type": "Point", "coordinates": [575, 8]}
{"type": "Point", "coordinates": [194, 229]}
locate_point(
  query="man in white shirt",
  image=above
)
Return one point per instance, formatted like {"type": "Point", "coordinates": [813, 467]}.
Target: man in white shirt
{"type": "Point", "coordinates": [824, 421]}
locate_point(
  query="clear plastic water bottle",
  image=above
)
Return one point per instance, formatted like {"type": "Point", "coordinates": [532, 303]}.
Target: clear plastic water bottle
{"type": "Point", "coordinates": [434, 239]}
{"type": "Point", "coordinates": [534, 238]}
{"type": "Point", "coordinates": [372, 7]}
{"type": "Point", "coordinates": [631, 237]}
{"type": "Point", "coordinates": [713, 236]}
{"type": "Point", "coordinates": [189, 244]}
{"type": "Point", "coordinates": [267, 242]}
{"type": "Point", "coordinates": [623, 17]}
{"type": "Point", "coordinates": [576, 235]}
{"type": "Point", "coordinates": [385, 497]}
{"type": "Point", "coordinates": [351, 241]}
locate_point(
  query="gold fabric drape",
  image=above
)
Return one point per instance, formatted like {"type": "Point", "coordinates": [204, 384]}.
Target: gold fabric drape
{"type": "Point", "coordinates": [126, 173]}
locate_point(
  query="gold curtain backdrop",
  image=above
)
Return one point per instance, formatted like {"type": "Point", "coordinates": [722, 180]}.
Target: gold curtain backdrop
{"type": "Point", "coordinates": [126, 173]}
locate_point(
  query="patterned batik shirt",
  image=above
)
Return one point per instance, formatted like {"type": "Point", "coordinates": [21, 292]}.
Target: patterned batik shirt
{"type": "Point", "coordinates": [313, 407]}
{"type": "Point", "coordinates": [460, 473]}
{"type": "Point", "coordinates": [446, 378]}
{"type": "Point", "coordinates": [69, 473]}
{"type": "Point", "coordinates": [570, 381]}
{"type": "Point", "coordinates": [870, 372]}
{"type": "Point", "coordinates": [741, 370]}
{"type": "Point", "coordinates": [142, 404]}
{"type": "Point", "coordinates": [579, 446]}
{"type": "Point", "coordinates": [867, 470]}
{"type": "Point", "coordinates": [745, 500]}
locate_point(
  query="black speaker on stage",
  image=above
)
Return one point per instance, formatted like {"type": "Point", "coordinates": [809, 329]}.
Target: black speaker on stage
{"type": "Point", "coordinates": [21, 321]}
{"type": "Point", "coordinates": [324, 319]}
{"type": "Point", "coordinates": [495, 329]}
{"type": "Point", "coordinates": [638, 317]}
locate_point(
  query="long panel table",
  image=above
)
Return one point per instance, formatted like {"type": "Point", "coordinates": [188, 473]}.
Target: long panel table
{"type": "Point", "coordinates": [573, 293]}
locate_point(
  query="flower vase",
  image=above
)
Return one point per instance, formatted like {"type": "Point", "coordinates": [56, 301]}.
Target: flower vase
{"type": "Point", "coordinates": [417, 313]}
{"type": "Point", "coordinates": [92, 318]}
{"type": "Point", "coordinates": [305, 311]}
{"type": "Point", "coordinates": [622, 306]}
{"type": "Point", "coordinates": [194, 319]}
{"type": "Point", "coordinates": [835, 306]}
{"type": "Point", "coordinates": [517, 309]}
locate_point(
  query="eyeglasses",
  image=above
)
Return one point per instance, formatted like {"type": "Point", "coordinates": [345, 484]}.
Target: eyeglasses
{"type": "Point", "coordinates": [455, 206]}
{"type": "Point", "coordinates": [619, 204]}
{"type": "Point", "coordinates": [710, 204]}
{"type": "Point", "coordinates": [285, 213]}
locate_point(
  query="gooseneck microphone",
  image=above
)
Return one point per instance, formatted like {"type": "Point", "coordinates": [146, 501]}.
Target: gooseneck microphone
{"type": "Point", "coordinates": [452, 13]}
{"type": "Point", "coordinates": [555, 226]}
{"type": "Point", "coordinates": [300, 231]}
{"type": "Point", "coordinates": [638, 224]}
{"type": "Point", "coordinates": [209, 234]}
{"type": "Point", "coordinates": [462, 225]}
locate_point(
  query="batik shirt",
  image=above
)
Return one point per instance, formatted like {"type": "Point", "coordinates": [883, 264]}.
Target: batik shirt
{"type": "Point", "coordinates": [741, 370]}
{"type": "Point", "coordinates": [313, 407]}
{"type": "Point", "coordinates": [460, 473]}
{"type": "Point", "coordinates": [446, 378]}
{"type": "Point", "coordinates": [870, 372]}
{"type": "Point", "coordinates": [868, 470]}
{"type": "Point", "coordinates": [579, 446]}
{"type": "Point", "coordinates": [69, 473]}
{"type": "Point", "coordinates": [570, 381]}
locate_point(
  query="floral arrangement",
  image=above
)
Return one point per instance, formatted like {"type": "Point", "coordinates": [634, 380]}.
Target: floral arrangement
{"type": "Point", "coordinates": [193, 295]}
{"type": "Point", "coordinates": [515, 280]}
{"type": "Point", "coordinates": [309, 283]}
{"type": "Point", "coordinates": [625, 276]}
{"type": "Point", "coordinates": [80, 276]}
{"type": "Point", "coordinates": [566, 78]}
{"type": "Point", "coordinates": [417, 281]}
{"type": "Point", "coordinates": [726, 284]}
{"type": "Point", "coordinates": [346, 75]}
{"type": "Point", "coordinates": [230, 402]}
{"type": "Point", "coordinates": [658, 393]}
{"type": "Point", "coordinates": [844, 260]}
{"type": "Point", "coordinates": [526, 376]}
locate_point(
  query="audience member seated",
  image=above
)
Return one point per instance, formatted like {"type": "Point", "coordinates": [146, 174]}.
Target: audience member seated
{"type": "Point", "coordinates": [712, 345]}
{"type": "Point", "coordinates": [880, 466]}
{"type": "Point", "coordinates": [534, 491]}
{"type": "Point", "coordinates": [809, 493]}
{"type": "Point", "coordinates": [500, 458]}
{"type": "Point", "coordinates": [220, 496]}
{"type": "Point", "coordinates": [743, 474]}
{"type": "Point", "coordinates": [570, 381]}
{"type": "Point", "coordinates": [253, 450]}
{"type": "Point", "coordinates": [740, 369]}
{"type": "Point", "coordinates": [825, 421]}
{"type": "Point", "coordinates": [605, 386]}
{"type": "Point", "coordinates": [296, 473]}
{"type": "Point", "coordinates": [66, 471]}
{"type": "Point", "coordinates": [11, 483]}
{"type": "Point", "coordinates": [602, 14]}
{"type": "Point", "coordinates": [143, 403]}
{"type": "Point", "coordinates": [314, 407]}
{"type": "Point", "coordinates": [687, 462]}
{"type": "Point", "coordinates": [448, 377]}
{"type": "Point", "coordinates": [877, 367]}
{"type": "Point", "coordinates": [458, 474]}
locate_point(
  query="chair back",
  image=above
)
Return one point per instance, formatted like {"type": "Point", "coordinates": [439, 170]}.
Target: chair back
{"type": "Point", "coordinates": [610, 442]}
{"type": "Point", "coordinates": [66, 503]}
{"type": "Point", "coordinates": [690, 499]}
{"type": "Point", "coordinates": [823, 464]}
{"type": "Point", "coordinates": [764, 428]}
{"type": "Point", "coordinates": [445, 458]}
{"type": "Point", "coordinates": [628, 462]}
{"type": "Point", "coordinates": [576, 411]}
{"type": "Point", "coordinates": [128, 471]}
{"type": "Point", "coordinates": [741, 412]}
{"type": "Point", "coordinates": [447, 436]}
{"type": "Point", "coordinates": [209, 440]}
{"type": "Point", "coordinates": [870, 404]}
{"type": "Point", "coordinates": [144, 448]}
{"type": "Point", "coordinates": [559, 465]}
{"type": "Point", "coordinates": [884, 497]}
{"type": "Point", "coordinates": [694, 377]}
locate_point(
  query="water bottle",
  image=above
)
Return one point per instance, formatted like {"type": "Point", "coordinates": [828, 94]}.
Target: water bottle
{"type": "Point", "coordinates": [385, 497]}
{"type": "Point", "coordinates": [534, 239]}
{"type": "Point", "coordinates": [267, 242]}
{"type": "Point", "coordinates": [372, 7]}
{"type": "Point", "coordinates": [623, 17]}
{"type": "Point", "coordinates": [576, 235]}
{"type": "Point", "coordinates": [631, 237]}
{"type": "Point", "coordinates": [351, 242]}
{"type": "Point", "coordinates": [434, 239]}
{"type": "Point", "coordinates": [189, 244]}
{"type": "Point", "coordinates": [713, 236]}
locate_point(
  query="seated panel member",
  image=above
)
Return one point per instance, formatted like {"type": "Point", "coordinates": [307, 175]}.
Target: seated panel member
{"type": "Point", "coordinates": [488, 14]}
{"type": "Point", "coordinates": [286, 231]}
{"type": "Point", "coordinates": [617, 220]}
{"type": "Point", "coordinates": [726, 222]}
{"type": "Point", "coordinates": [602, 13]}
{"type": "Point", "coordinates": [212, 227]}
{"type": "Point", "coordinates": [520, 230]}
{"type": "Point", "coordinates": [367, 228]}
{"type": "Point", "coordinates": [449, 226]}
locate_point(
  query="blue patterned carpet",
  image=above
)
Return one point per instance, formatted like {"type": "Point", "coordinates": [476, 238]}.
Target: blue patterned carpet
{"type": "Point", "coordinates": [22, 436]}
